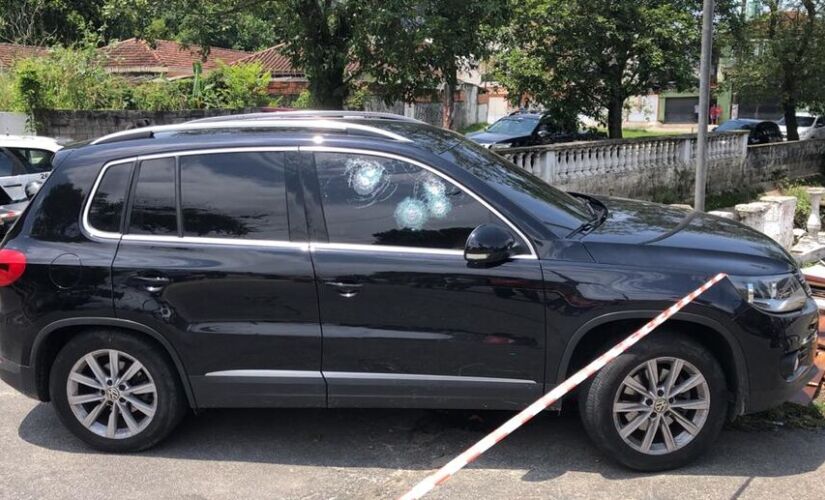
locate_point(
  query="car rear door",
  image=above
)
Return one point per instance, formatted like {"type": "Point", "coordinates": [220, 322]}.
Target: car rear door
{"type": "Point", "coordinates": [214, 256]}
{"type": "Point", "coordinates": [406, 321]}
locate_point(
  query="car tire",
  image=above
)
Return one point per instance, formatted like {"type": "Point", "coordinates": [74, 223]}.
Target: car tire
{"type": "Point", "coordinates": [129, 410]}
{"type": "Point", "coordinates": [619, 418]}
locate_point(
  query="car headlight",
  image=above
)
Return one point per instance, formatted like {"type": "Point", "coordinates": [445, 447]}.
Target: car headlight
{"type": "Point", "coordinates": [776, 294]}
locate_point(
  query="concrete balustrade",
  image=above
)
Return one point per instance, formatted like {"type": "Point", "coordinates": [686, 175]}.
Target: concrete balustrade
{"type": "Point", "coordinates": [646, 167]}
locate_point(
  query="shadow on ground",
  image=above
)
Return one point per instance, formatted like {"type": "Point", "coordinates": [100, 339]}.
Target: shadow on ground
{"type": "Point", "coordinates": [547, 447]}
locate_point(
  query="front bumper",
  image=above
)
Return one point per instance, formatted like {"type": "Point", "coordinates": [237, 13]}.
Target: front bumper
{"type": "Point", "coordinates": [19, 377]}
{"type": "Point", "coordinates": [780, 354]}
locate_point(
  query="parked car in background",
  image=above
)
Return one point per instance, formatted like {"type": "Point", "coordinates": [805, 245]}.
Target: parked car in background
{"type": "Point", "coordinates": [331, 259]}
{"type": "Point", "coordinates": [529, 129]}
{"type": "Point", "coordinates": [761, 132]}
{"type": "Point", "coordinates": [808, 126]}
{"type": "Point", "coordinates": [25, 163]}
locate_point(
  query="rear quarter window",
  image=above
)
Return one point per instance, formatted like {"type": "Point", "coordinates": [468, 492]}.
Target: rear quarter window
{"type": "Point", "coordinates": [106, 208]}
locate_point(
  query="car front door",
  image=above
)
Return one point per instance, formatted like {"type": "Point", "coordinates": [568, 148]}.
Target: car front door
{"type": "Point", "coordinates": [406, 321]}
{"type": "Point", "coordinates": [210, 259]}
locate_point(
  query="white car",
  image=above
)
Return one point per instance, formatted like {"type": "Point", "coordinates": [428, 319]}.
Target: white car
{"type": "Point", "coordinates": [807, 125]}
{"type": "Point", "coordinates": [25, 162]}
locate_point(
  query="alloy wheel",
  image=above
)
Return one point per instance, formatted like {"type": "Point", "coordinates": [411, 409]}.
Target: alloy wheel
{"type": "Point", "coordinates": [112, 394]}
{"type": "Point", "coordinates": [661, 406]}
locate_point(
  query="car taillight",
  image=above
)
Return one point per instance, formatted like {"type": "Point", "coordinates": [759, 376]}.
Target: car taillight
{"type": "Point", "coordinates": [12, 265]}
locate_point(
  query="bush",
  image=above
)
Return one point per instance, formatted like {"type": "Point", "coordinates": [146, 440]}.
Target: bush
{"type": "Point", "coordinates": [803, 204]}
{"type": "Point", "coordinates": [236, 87]}
{"type": "Point", "coordinates": [303, 101]}
{"type": "Point", "coordinates": [161, 95]}
{"type": "Point", "coordinates": [75, 79]}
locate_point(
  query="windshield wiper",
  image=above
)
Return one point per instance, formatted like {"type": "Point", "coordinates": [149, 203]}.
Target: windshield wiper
{"type": "Point", "coordinates": [598, 214]}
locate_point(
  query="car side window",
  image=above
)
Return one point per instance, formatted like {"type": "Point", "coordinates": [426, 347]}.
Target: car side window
{"type": "Point", "coordinates": [154, 203]}
{"type": "Point", "coordinates": [6, 165]}
{"type": "Point", "coordinates": [372, 200]}
{"type": "Point", "coordinates": [106, 209]}
{"type": "Point", "coordinates": [236, 195]}
{"type": "Point", "coordinates": [35, 161]}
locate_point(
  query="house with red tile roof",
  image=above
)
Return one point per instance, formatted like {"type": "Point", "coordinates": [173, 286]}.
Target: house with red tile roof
{"type": "Point", "coordinates": [138, 58]}
{"type": "Point", "coordinates": [286, 79]}
{"type": "Point", "coordinates": [11, 52]}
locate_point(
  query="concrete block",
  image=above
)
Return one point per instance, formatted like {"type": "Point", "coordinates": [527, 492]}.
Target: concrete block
{"type": "Point", "coordinates": [779, 218]}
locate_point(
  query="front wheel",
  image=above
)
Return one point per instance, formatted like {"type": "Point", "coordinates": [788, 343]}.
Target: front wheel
{"type": "Point", "coordinates": [658, 406]}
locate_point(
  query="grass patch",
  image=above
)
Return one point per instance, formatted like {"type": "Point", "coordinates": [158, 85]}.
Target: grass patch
{"type": "Point", "coordinates": [474, 127]}
{"type": "Point", "coordinates": [731, 198]}
{"type": "Point", "coordinates": [789, 416]}
{"type": "Point", "coordinates": [631, 133]}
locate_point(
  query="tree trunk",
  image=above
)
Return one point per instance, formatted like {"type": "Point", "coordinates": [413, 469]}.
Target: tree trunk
{"type": "Point", "coordinates": [615, 110]}
{"type": "Point", "coordinates": [329, 90]}
{"type": "Point", "coordinates": [789, 108]}
{"type": "Point", "coordinates": [447, 106]}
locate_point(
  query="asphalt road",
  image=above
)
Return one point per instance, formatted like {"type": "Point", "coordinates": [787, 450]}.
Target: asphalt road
{"type": "Point", "coordinates": [342, 454]}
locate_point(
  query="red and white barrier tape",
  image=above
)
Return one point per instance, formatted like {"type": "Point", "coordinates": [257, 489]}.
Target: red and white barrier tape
{"type": "Point", "coordinates": [459, 462]}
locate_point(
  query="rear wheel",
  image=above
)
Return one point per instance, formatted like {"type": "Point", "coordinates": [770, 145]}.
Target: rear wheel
{"type": "Point", "coordinates": [657, 406]}
{"type": "Point", "coordinates": [116, 391]}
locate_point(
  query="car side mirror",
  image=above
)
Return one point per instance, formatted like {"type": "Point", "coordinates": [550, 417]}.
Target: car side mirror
{"type": "Point", "coordinates": [32, 188]}
{"type": "Point", "coordinates": [543, 133]}
{"type": "Point", "coordinates": [488, 244]}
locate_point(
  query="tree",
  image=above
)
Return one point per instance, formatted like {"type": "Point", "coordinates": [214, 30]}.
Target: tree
{"type": "Point", "coordinates": [780, 53]}
{"type": "Point", "coordinates": [420, 45]}
{"type": "Point", "coordinates": [587, 56]}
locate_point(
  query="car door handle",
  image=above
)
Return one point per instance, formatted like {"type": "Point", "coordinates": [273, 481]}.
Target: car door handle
{"type": "Point", "coordinates": [152, 284]}
{"type": "Point", "coordinates": [345, 289]}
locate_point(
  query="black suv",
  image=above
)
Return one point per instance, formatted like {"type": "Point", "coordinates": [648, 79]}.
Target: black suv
{"type": "Point", "coordinates": [340, 260]}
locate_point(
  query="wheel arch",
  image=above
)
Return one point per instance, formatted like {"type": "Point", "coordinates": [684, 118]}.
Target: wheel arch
{"type": "Point", "coordinates": [598, 334]}
{"type": "Point", "coordinates": [55, 335]}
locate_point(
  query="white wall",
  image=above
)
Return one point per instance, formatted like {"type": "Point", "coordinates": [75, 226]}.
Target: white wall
{"type": "Point", "coordinates": [12, 123]}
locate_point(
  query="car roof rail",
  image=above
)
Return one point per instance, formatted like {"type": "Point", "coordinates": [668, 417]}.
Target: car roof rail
{"type": "Point", "coordinates": [311, 113]}
{"type": "Point", "coordinates": [320, 125]}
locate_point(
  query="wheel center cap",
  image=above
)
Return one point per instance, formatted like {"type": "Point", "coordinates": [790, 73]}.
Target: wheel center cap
{"type": "Point", "coordinates": [112, 394]}
{"type": "Point", "coordinates": [660, 405]}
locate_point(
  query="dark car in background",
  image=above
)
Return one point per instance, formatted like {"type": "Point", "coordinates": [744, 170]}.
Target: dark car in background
{"type": "Point", "coordinates": [529, 129]}
{"type": "Point", "coordinates": [365, 260]}
{"type": "Point", "coordinates": [759, 131]}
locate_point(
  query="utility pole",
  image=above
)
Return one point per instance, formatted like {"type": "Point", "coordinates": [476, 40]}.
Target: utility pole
{"type": "Point", "coordinates": [704, 106]}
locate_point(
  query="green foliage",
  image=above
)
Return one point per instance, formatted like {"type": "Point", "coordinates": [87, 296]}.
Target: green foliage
{"type": "Point", "coordinates": [417, 46]}
{"type": "Point", "coordinates": [474, 127]}
{"type": "Point", "coordinates": [303, 101]}
{"type": "Point", "coordinates": [66, 79]}
{"type": "Point", "coordinates": [357, 98]}
{"type": "Point", "coordinates": [162, 95]}
{"type": "Point", "coordinates": [585, 56]}
{"type": "Point", "coordinates": [798, 188]}
{"type": "Point", "coordinates": [75, 79]}
{"type": "Point", "coordinates": [236, 87]}
{"type": "Point", "coordinates": [730, 199]}
{"type": "Point", "coordinates": [779, 54]}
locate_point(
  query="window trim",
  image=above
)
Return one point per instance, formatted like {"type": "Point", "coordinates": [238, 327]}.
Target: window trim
{"type": "Point", "coordinates": [308, 246]}
{"type": "Point", "coordinates": [368, 152]}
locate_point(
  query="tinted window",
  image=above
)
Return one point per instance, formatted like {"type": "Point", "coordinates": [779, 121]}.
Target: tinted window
{"type": "Point", "coordinates": [35, 161]}
{"type": "Point", "coordinates": [234, 195]}
{"type": "Point", "coordinates": [378, 201]}
{"type": "Point", "coordinates": [107, 206]}
{"type": "Point", "coordinates": [6, 165]}
{"type": "Point", "coordinates": [153, 208]}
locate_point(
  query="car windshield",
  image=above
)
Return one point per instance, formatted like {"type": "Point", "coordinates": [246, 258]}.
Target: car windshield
{"type": "Point", "coordinates": [559, 211]}
{"type": "Point", "coordinates": [801, 121]}
{"type": "Point", "coordinates": [514, 125]}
